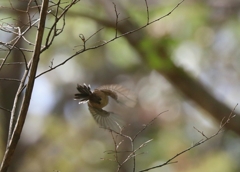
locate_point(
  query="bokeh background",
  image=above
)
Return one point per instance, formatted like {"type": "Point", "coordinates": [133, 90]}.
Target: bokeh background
{"type": "Point", "coordinates": [200, 39]}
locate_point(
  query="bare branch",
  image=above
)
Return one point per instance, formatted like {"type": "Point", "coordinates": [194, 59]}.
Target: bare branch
{"type": "Point", "coordinates": [15, 40]}
{"type": "Point", "coordinates": [51, 64]}
{"type": "Point", "coordinates": [26, 100]}
{"type": "Point", "coordinates": [84, 49]}
{"type": "Point", "coordinates": [149, 123]}
{"type": "Point", "coordinates": [147, 11]}
{"type": "Point", "coordinates": [5, 109]}
{"type": "Point", "coordinates": [53, 32]}
{"type": "Point", "coordinates": [196, 144]}
{"type": "Point", "coordinates": [93, 34]}
{"type": "Point", "coordinates": [201, 132]}
{"type": "Point", "coordinates": [15, 63]}
{"type": "Point", "coordinates": [84, 40]}
{"type": "Point", "coordinates": [133, 152]}
{"type": "Point", "coordinates": [10, 79]}
{"type": "Point", "coordinates": [116, 23]}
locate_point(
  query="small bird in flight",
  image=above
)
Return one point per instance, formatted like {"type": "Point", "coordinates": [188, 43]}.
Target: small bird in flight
{"type": "Point", "coordinates": [98, 99]}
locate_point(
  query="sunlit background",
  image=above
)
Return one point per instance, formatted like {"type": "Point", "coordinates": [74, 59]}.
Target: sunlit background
{"type": "Point", "coordinates": [202, 37]}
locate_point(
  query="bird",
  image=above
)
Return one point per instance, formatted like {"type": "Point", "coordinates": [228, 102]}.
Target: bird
{"type": "Point", "coordinates": [99, 98]}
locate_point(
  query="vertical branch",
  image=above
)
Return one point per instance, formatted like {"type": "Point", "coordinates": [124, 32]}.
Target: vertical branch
{"type": "Point", "coordinates": [116, 24]}
{"type": "Point", "coordinates": [26, 100]}
{"type": "Point", "coordinates": [147, 12]}
{"type": "Point", "coordinates": [13, 112]}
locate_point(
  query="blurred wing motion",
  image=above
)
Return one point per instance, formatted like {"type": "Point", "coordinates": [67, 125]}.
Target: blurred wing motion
{"type": "Point", "coordinates": [108, 120]}
{"type": "Point", "coordinates": [120, 94]}
{"type": "Point", "coordinates": [84, 93]}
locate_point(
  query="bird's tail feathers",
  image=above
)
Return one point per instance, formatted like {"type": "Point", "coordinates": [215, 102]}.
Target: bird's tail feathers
{"type": "Point", "coordinates": [84, 93]}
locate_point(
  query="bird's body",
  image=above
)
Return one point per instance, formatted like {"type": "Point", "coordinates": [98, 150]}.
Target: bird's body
{"type": "Point", "coordinates": [98, 104]}
{"type": "Point", "coordinates": [99, 99]}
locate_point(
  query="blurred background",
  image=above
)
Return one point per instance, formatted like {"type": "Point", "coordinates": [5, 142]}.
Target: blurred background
{"type": "Point", "coordinates": [187, 63]}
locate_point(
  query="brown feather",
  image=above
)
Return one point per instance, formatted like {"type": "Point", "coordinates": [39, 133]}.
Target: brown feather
{"type": "Point", "coordinates": [119, 94]}
{"type": "Point", "coordinates": [105, 119]}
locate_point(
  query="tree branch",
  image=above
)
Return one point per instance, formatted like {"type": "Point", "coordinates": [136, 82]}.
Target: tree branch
{"type": "Point", "coordinates": [26, 100]}
{"type": "Point", "coordinates": [222, 125]}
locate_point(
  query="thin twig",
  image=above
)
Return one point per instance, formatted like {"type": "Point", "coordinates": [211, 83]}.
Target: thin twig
{"type": "Point", "coordinates": [201, 132]}
{"type": "Point", "coordinates": [223, 124]}
{"type": "Point", "coordinates": [53, 30]}
{"type": "Point", "coordinates": [105, 42]}
{"type": "Point", "coordinates": [15, 63]}
{"type": "Point", "coordinates": [133, 151]}
{"type": "Point", "coordinates": [5, 109]}
{"type": "Point", "coordinates": [148, 124]}
{"type": "Point", "coordinates": [116, 21]}
{"type": "Point", "coordinates": [10, 79]}
{"type": "Point", "coordinates": [93, 34]}
{"type": "Point", "coordinates": [147, 11]}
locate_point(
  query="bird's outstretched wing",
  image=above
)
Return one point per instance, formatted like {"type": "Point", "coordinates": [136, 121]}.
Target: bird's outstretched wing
{"type": "Point", "coordinates": [105, 119]}
{"type": "Point", "coordinates": [120, 94]}
{"type": "Point", "coordinates": [84, 93]}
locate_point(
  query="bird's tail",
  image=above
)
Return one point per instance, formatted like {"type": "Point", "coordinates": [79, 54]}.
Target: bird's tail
{"type": "Point", "coordinates": [84, 93]}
